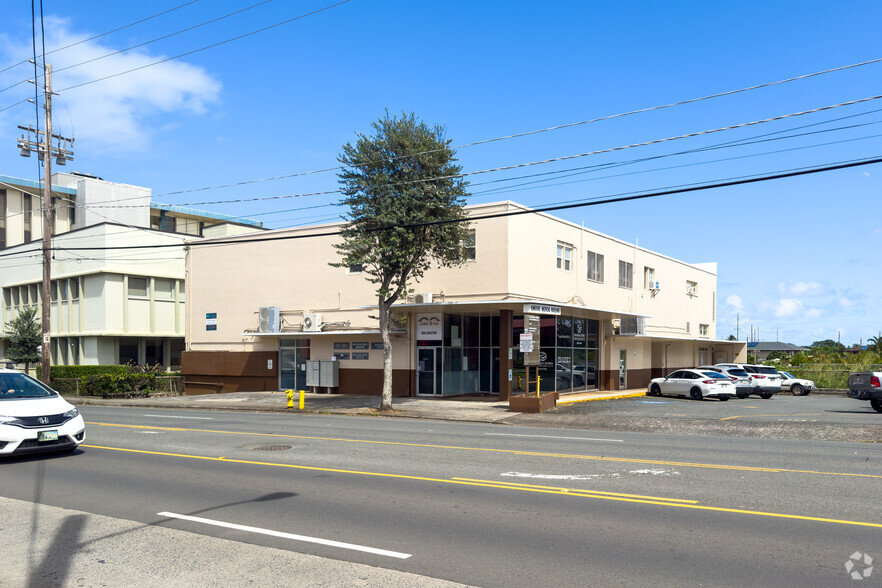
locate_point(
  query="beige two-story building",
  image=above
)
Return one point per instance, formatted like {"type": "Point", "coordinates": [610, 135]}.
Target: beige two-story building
{"type": "Point", "coordinates": [612, 315]}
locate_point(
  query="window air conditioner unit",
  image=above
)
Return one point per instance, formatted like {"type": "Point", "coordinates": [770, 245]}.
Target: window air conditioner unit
{"type": "Point", "coordinates": [423, 298]}
{"type": "Point", "coordinates": [632, 326]}
{"type": "Point", "coordinates": [268, 319]}
{"type": "Point", "coordinates": [655, 285]}
{"type": "Point", "coordinates": [312, 322]}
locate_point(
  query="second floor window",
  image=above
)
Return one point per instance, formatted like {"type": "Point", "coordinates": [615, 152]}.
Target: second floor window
{"type": "Point", "coordinates": [595, 266]}
{"type": "Point", "coordinates": [626, 274]}
{"type": "Point", "coordinates": [564, 256]}
{"type": "Point", "coordinates": [691, 288]}
{"type": "Point", "coordinates": [703, 330]}
{"type": "Point", "coordinates": [468, 246]}
{"type": "Point", "coordinates": [648, 278]}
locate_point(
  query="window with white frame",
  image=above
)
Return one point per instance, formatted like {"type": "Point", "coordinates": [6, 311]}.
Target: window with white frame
{"type": "Point", "coordinates": [691, 288]}
{"type": "Point", "coordinates": [703, 329]}
{"type": "Point", "coordinates": [564, 256]}
{"type": "Point", "coordinates": [137, 287]}
{"type": "Point", "coordinates": [626, 274]}
{"type": "Point", "coordinates": [163, 289]}
{"type": "Point", "coordinates": [469, 250]}
{"type": "Point", "coordinates": [648, 277]}
{"type": "Point", "coordinates": [595, 266]}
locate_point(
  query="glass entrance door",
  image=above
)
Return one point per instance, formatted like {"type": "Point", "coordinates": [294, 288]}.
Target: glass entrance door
{"type": "Point", "coordinates": [429, 371]}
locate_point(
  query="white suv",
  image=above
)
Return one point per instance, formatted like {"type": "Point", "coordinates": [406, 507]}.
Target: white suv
{"type": "Point", "coordinates": [764, 379]}
{"type": "Point", "coordinates": [739, 377]}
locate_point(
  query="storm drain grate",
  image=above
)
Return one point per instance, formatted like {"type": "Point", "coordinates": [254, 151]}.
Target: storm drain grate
{"type": "Point", "coordinates": [271, 447]}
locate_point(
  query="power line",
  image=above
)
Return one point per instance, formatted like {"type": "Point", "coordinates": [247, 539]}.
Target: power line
{"type": "Point", "coordinates": [545, 130]}
{"type": "Point", "coordinates": [213, 45]}
{"type": "Point", "coordinates": [92, 38]}
{"type": "Point", "coordinates": [585, 203]}
{"type": "Point", "coordinates": [202, 24]}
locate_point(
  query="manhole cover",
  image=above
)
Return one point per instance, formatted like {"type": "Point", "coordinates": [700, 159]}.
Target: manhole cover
{"type": "Point", "coordinates": [271, 447]}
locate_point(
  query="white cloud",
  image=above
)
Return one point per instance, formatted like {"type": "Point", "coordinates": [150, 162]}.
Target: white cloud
{"type": "Point", "coordinates": [802, 288]}
{"type": "Point", "coordinates": [813, 313]}
{"type": "Point", "coordinates": [845, 302]}
{"type": "Point", "coordinates": [788, 307]}
{"type": "Point", "coordinates": [735, 302]}
{"type": "Point", "coordinates": [866, 174]}
{"type": "Point", "coordinates": [118, 114]}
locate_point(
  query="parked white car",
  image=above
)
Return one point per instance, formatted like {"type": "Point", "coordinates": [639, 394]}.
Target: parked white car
{"type": "Point", "coordinates": [696, 383]}
{"type": "Point", "coordinates": [794, 385]}
{"type": "Point", "coordinates": [35, 418]}
{"type": "Point", "coordinates": [765, 379]}
{"type": "Point", "coordinates": [741, 379]}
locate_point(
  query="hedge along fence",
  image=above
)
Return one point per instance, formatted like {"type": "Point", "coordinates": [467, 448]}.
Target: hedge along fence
{"type": "Point", "coordinates": [113, 381]}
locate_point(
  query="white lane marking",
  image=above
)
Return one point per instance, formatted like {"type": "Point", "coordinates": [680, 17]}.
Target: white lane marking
{"type": "Point", "coordinates": [150, 432]}
{"type": "Point", "coordinates": [589, 476]}
{"type": "Point", "coordinates": [555, 437]}
{"type": "Point", "coordinates": [272, 533]}
{"type": "Point", "coordinates": [171, 416]}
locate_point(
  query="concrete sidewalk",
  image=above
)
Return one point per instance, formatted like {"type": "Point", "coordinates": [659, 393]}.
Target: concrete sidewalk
{"type": "Point", "coordinates": [482, 409]}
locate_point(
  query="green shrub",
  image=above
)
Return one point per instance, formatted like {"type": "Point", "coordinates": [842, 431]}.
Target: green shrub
{"type": "Point", "coordinates": [130, 385]}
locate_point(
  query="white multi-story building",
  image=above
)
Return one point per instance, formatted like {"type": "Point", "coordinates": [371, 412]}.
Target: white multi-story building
{"type": "Point", "coordinates": [612, 315]}
{"type": "Point", "coordinates": [109, 305]}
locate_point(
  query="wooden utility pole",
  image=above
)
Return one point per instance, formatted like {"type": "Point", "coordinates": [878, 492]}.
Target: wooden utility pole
{"type": "Point", "coordinates": [47, 224]}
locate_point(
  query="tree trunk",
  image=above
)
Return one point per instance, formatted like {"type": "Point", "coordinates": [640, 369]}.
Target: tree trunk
{"type": "Point", "coordinates": [386, 398]}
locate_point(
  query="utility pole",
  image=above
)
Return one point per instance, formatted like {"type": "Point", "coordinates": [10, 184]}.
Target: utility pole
{"type": "Point", "coordinates": [62, 154]}
{"type": "Point", "coordinates": [737, 326]}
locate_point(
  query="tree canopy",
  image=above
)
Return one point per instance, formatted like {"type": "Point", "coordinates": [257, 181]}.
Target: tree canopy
{"type": "Point", "coordinates": [24, 336]}
{"type": "Point", "coordinates": [405, 199]}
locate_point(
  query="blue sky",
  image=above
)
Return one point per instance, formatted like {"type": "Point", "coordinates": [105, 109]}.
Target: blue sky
{"type": "Point", "coordinates": [798, 259]}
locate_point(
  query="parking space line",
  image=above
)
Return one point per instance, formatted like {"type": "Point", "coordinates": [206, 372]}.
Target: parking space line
{"type": "Point", "coordinates": [772, 415]}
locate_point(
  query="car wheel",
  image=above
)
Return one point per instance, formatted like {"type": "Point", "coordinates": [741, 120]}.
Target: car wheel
{"type": "Point", "coordinates": [655, 390]}
{"type": "Point", "coordinates": [876, 403]}
{"type": "Point", "coordinates": [723, 398]}
{"type": "Point", "coordinates": [797, 390]}
{"type": "Point", "coordinates": [696, 394]}
{"type": "Point", "coordinates": [766, 395]}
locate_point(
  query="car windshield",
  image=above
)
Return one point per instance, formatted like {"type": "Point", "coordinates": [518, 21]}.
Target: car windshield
{"type": "Point", "coordinates": [716, 375]}
{"type": "Point", "coordinates": [787, 375]}
{"type": "Point", "coordinates": [14, 385]}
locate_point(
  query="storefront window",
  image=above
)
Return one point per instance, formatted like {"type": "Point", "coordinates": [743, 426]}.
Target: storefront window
{"type": "Point", "coordinates": [568, 359]}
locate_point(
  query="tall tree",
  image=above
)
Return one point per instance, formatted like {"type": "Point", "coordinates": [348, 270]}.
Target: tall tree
{"type": "Point", "coordinates": [24, 334]}
{"type": "Point", "coordinates": [405, 200]}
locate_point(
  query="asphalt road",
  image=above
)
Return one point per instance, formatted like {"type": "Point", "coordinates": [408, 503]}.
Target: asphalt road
{"type": "Point", "coordinates": [475, 504]}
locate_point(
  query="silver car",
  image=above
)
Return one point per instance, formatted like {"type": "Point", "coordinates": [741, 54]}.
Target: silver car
{"type": "Point", "coordinates": [741, 379]}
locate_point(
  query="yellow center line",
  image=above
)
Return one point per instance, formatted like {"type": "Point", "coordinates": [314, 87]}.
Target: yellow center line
{"type": "Point", "coordinates": [506, 451]}
{"type": "Point", "coordinates": [772, 415]}
{"type": "Point", "coordinates": [516, 485]}
{"type": "Point", "coordinates": [502, 486]}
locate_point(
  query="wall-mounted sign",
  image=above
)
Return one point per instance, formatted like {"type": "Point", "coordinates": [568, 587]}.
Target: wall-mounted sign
{"type": "Point", "coordinates": [534, 308]}
{"type": "Point", "coordinates": [361, 355]}
{"type": "Point", "coordinates": [341, 344]}
{"type": "Point", "coordinates": [339, 356]}
{"type": "Point", "coordinates": [526, 343]}
{"type": "Point", "coordinates": [211, 321]}
{"type": "Point", "coordinates": [429, 327]}
{"type": "Point", "coordinates": [375, 345]}
{"type": "Point", "coordinates": [361, 345]}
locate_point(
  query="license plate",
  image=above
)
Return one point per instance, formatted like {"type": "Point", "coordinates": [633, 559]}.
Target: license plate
{"type": "Point", "coordinates": [47, 436]}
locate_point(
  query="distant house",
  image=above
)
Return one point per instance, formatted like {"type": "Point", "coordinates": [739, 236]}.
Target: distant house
{"type": "Point", "coordinates": [762, 349]}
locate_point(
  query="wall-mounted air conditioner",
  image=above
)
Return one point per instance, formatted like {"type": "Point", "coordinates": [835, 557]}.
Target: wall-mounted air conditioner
{"type": "Point", "coordinates": [656, 285]}
{"type": "Point", "coordinates": [423, 298]}
{"type": "Point", "coordinates": [312, 322]}
{"type": "Point", "coordinates": [268, 319]}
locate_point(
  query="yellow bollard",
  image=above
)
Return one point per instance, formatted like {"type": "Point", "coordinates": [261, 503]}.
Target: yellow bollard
{"type": "Point", "coordinates": [290, 394]}
{"type": "Point", "coordinates": [538, 386]}
{"type": "Point", "coordinates": [302, 398]}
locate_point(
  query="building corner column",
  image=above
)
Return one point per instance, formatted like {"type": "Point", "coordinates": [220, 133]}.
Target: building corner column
{"type": "Point", "coordinates": [505, 350]}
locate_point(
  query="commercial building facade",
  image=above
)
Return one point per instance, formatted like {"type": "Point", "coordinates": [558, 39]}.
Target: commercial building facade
{"type": "Point", "coordinates": [611, 315]}
{"type": "Point", "coordinates": [110, 304]}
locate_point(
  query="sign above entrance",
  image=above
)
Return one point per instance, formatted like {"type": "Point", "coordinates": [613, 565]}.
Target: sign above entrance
{"type": "Point", "coordinates": [429, 327]}
{"type": "Point", "coordinates": [541, 309]}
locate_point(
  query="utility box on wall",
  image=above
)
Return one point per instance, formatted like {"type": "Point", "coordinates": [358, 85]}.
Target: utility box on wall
{"type": "Point", "coordinates": [324, 374]}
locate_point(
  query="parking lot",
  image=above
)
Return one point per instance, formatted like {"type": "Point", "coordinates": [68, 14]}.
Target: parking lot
{"type": "Point", "coordinates": [815, 408]}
